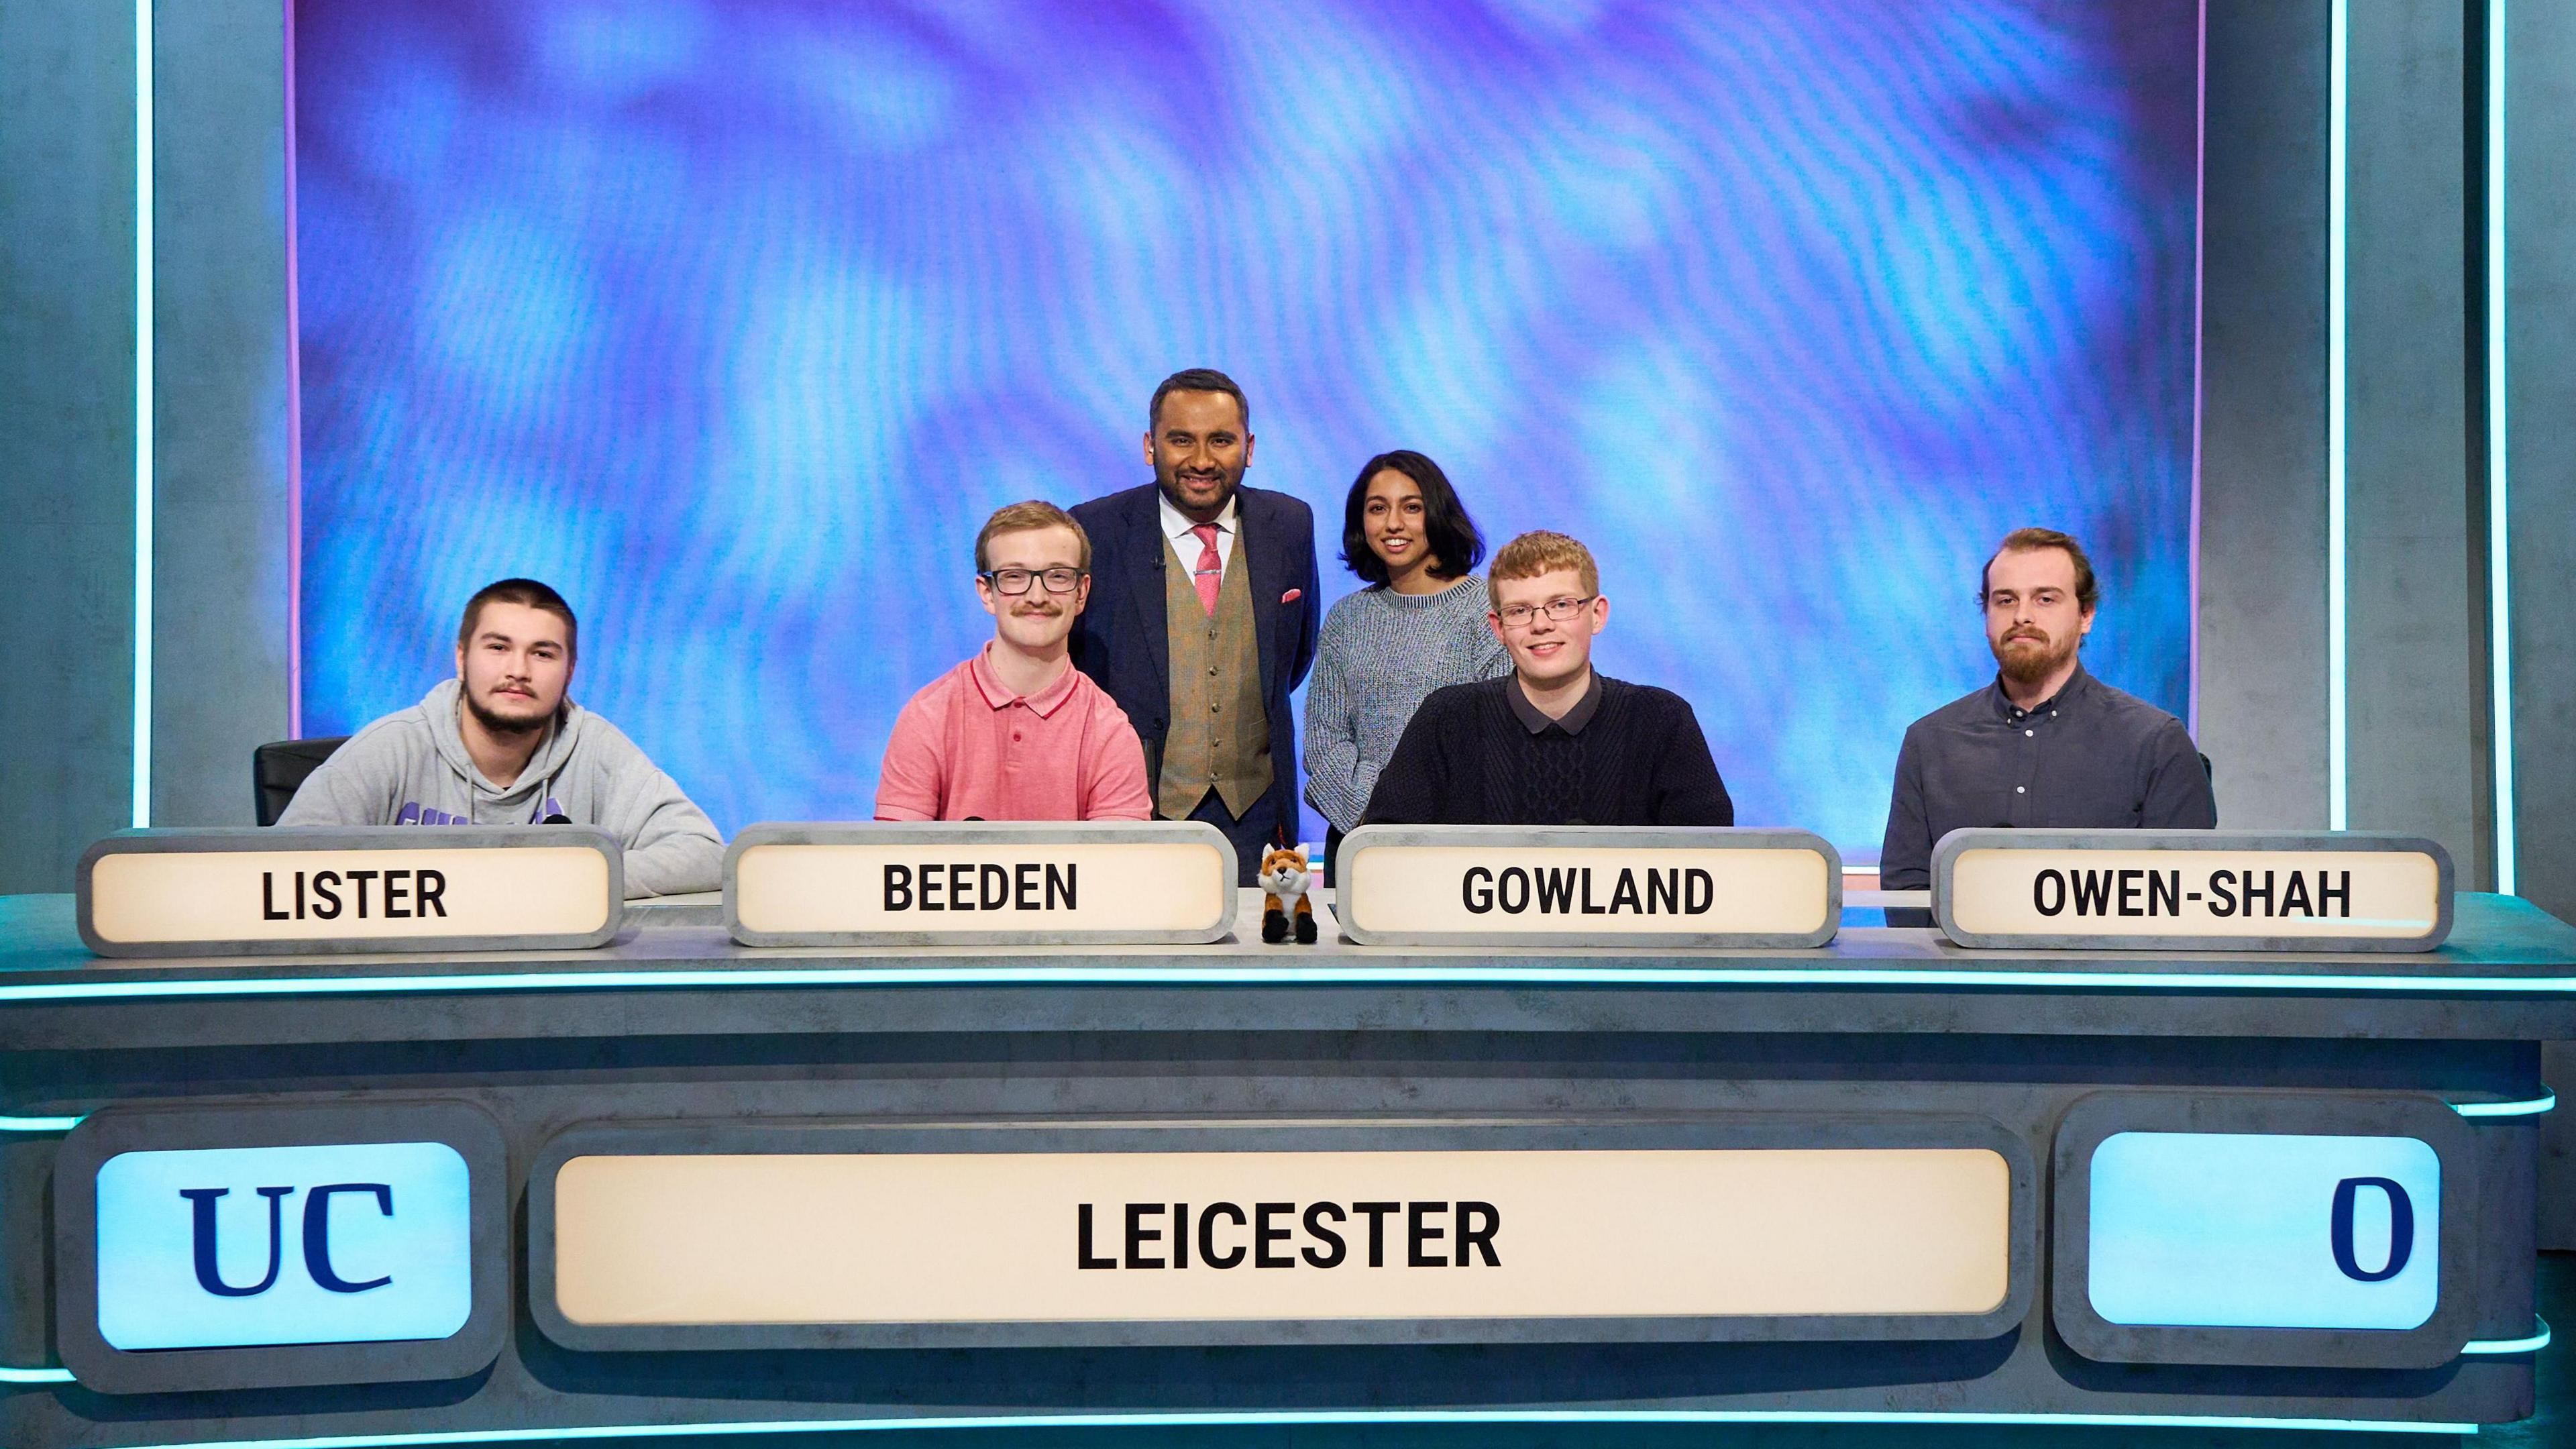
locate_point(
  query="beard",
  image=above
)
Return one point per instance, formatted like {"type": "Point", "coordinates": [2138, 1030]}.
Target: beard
{"type": "Point", "coordinates": [1169, 481]}
{"type": "Point", "coordinates": [506, 724]}
{"type": "Point", "coordinates": [2030, 666]}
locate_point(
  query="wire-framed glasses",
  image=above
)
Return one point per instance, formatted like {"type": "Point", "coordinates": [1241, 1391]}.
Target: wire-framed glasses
{"type": "Point", "coordinates": [1563, 611]}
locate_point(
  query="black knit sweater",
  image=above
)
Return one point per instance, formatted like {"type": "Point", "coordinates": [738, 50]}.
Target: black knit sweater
{"type": "Point", "coordinates": [1467, 759]}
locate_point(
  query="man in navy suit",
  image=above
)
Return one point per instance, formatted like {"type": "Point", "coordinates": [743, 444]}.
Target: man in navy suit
{"type": "Point", "coordinates": [1203, 617]}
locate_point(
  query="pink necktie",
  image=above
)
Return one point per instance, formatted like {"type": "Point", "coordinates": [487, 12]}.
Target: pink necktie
{"type": "Point", "coordinates": [1211, 569]}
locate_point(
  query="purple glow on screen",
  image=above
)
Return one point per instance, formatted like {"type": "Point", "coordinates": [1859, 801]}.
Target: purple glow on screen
{"type": "Point", "coordinates": [733, 318]}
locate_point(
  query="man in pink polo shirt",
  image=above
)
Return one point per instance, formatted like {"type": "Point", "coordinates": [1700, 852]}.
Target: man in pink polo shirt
{"type": "Point", "coordinates": [1018, 733]}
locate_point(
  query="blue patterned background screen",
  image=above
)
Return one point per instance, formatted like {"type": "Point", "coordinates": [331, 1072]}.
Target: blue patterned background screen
{"type": "Point", "coordinates": [733, 318]}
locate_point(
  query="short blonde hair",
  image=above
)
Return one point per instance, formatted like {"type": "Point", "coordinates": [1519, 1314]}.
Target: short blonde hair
{"type": "Point", "coordinates": [1541, 552]}
{"type": "Point", "coordinates": [1021, 517]}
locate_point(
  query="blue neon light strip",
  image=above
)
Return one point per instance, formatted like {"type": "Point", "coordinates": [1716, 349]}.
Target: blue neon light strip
{"type": "Point", "coordinates": [2532, 1107]}
{"type": "Point", "coordinates": [2338, 647]}
{"type": "Point", "coordinates": [2499, 512]}
{"type": "Point", "coordinates": [701, 979]}
{"type": "Point", "coordinates": [143, 304]}
{"type": "Point", "coordinates": [1255, 1418]}
{"type": "Point", "coordinates": [2538, 1340]}
{"type": "Point", "coordinates": [38, 1124]}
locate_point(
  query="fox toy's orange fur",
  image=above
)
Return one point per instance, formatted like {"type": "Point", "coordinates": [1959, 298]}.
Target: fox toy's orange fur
{"type": "Point", "coordinates": [1283, 879]}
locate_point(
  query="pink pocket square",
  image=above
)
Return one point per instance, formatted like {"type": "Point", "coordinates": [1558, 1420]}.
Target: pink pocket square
{"type": "Point", "coordinates": [1292, 596]}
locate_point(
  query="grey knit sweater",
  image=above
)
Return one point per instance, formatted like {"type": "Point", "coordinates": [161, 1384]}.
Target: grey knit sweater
{"type": "Point", "coordinates": [1379, 654]}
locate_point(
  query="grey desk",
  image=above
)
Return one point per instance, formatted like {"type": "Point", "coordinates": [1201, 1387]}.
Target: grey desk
{"type": "Point", "coordinates": [674, 1021]}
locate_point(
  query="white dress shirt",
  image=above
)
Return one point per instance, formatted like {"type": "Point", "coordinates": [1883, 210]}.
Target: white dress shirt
{"type": "Point", "coordinates": [1177, 528]}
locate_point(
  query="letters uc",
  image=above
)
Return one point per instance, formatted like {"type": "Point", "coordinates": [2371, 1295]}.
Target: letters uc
{"type": "Point", "coordinates": [317, 1237]}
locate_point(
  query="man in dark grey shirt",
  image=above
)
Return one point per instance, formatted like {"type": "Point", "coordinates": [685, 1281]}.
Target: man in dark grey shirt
{"type": "Point", "coordinates": [2046, 744]}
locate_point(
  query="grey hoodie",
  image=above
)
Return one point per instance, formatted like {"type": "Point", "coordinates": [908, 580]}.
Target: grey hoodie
{"type": "Point", "coordinates": [410, 768]}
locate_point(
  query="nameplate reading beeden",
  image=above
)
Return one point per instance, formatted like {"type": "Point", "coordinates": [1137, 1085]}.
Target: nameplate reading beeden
{"type": "Point", "coordinates": [977, 882]}
{"type": "Point", "coordinates": [1507, 885]}
{"type": "Point", "coordinates": [240, 891]}
{"type": "Point", "coordinates": [2181, 890]}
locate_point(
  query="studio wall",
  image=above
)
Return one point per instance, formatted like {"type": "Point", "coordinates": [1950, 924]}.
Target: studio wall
{"type": "Point", "coordinates": [67, 293]}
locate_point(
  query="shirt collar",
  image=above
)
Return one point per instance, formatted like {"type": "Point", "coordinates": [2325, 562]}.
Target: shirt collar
{"type": "Point", "coordinates": [1537, 722]}
{"type": "Point", "coordinates": [1043, 704]}
{"type": "Point", "coordinates": [2068, 696]}
{"type": "Point", "coordinates": [1177, 525]}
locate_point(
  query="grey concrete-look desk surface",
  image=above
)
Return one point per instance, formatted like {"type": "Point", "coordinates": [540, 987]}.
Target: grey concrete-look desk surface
{"type": "Point", "coordinates": [675, 1022]}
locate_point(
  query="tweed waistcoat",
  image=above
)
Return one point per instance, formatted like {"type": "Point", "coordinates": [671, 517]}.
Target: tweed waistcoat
{"type": "Point", "coordinates": [1220, 733]}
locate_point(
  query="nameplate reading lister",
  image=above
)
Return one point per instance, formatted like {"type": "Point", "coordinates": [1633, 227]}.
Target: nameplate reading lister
{"type": "Point", "coordinates": [979, 883]}
{"type": "Point", "coordinates": [242, 891]}
{"type": "Point", "coordinates": [1509, 885]}
{"type": "Point", "coordinates": [2258, 890]}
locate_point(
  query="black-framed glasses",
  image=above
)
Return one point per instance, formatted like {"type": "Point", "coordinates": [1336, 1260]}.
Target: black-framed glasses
{"type": "Point", "coordinates": [1563, 611]}
{"type": "Point", "coordinates": [1016, 581]}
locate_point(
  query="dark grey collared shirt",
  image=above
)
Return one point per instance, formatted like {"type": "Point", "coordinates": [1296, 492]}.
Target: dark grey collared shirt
{"type": "Point", "coordinates": [1535, 720]}
{"type": "Point", "coordinates": [2093, 757]}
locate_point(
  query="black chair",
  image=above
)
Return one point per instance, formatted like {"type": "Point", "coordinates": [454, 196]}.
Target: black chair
{"type": "Point", "coordinates": [279, 769]}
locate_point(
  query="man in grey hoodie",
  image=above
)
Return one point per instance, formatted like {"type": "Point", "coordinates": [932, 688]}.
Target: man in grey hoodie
{"type": "Point", "coordinates": [501, 745]}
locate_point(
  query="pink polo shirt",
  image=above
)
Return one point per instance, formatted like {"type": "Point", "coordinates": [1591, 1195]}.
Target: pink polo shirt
{"type": "Point", "coordinates": [965, 747]}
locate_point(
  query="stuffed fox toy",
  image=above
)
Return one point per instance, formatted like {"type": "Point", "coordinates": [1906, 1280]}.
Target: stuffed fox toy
{"type": "Point", "coordinates": [1283, 877]}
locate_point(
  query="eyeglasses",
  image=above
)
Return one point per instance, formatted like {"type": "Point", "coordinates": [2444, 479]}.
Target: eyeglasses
{"type": "Point", "coordinates": [1016, 581]}
{"type": "Point", "coordinates": [1519, 616]}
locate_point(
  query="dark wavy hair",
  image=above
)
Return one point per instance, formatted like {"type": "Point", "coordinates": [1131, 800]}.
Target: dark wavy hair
{"type": "Point", "coordinates": [1448, 530]}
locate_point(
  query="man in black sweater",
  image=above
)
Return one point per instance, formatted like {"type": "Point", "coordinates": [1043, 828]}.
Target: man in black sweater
{"type": "Point", "coordinates": [1551, 743]}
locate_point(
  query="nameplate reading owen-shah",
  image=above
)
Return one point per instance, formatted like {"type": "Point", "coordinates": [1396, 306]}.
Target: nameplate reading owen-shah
{"type": "Point", "coordinates": [2192, 890]}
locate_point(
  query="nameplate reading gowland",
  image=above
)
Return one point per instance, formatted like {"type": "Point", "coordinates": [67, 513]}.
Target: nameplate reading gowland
{"type": "Point", "coordinates": [979, 883]}
{"type": "Point", "coordinates": [719, 1248]}
{"type": "Point", "coordinates": [2258, 890]}
{"type": "Point", "coordinates": [1508, 885]}
{"type": "Point", "coordinates": [241, 891]}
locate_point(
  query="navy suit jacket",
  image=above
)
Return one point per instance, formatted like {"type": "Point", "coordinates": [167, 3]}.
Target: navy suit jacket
{"type": "Point", "coordinates": [1122, 637]}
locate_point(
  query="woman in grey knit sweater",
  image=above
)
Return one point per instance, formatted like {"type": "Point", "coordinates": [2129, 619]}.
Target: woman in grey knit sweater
{"type": "Point", "coordinates": [1418, 626]}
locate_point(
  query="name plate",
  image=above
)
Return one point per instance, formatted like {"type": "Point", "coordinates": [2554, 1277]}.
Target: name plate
{"type": "Point", "coordinates": [987, 883]}
{"type": "Point", "coordinates": [1249, 1233]}
{"type": "Point", "coordinates": [240, 891]}
{"type": "Point", "coordinates": [1509, 885]}
{"type": "Point", "coordinates": [232, 1247]}
{"type": "Point", "coordinates": [2254, 890]}
{"type": "Point", "coordinates": [2264, 1228]}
